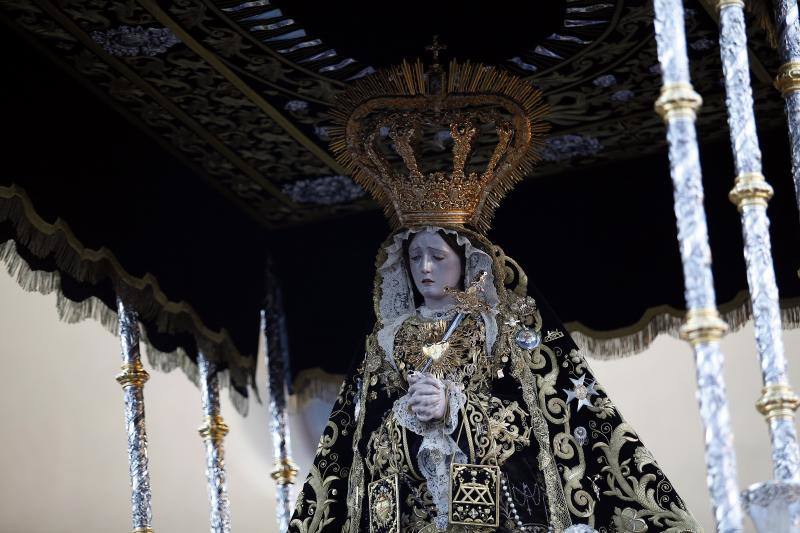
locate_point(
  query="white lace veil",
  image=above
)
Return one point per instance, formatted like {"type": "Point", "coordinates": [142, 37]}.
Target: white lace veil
{"type": "Point", "coordinates": [397, 297]}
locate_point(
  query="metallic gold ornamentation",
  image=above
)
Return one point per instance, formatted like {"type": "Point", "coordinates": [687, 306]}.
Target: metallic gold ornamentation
{"type": "Point", "coordinates": [214, 428]}
{"type": "Point", "coordinates": [384, 505]}
{"type": "Point", "coordinates": [436, 350]}
{"type": "Point", "coordinates": [465, 347]}
{"type": "Point", "coordinates": [703, 325]}
{"type": "Point", "coordinates": [721, 4]}
{"type": "Point", "coordinates": [133, 375]}
{"type": "Point", "coordinates": [285, 472]}
{"type": "Point", "coordinates": [492, 117]}
{"type": "Point", "coordinates": [788, 79]}
{"type": "Point", "coordinates": [777, 400]}
{"type": "Point", "coordinates": [475, 495]}
{"type": "Point", "coordinates": [142, 530]}
{"type": "Point", "coordinates": [471, 299]}
{"type": "Point", "coordinates": [750, 189]}
{"type": "Point", "coordinates": [678, 100]}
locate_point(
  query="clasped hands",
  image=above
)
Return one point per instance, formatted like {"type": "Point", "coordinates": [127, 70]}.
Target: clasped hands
{"type": "Point", "coordinates": [428, 397]}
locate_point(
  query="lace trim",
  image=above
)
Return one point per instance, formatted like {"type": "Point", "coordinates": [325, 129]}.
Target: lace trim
{"type": "Point", "coordinates": [438, 449]}
{"type": "Point", "coordinates": [397, 301]}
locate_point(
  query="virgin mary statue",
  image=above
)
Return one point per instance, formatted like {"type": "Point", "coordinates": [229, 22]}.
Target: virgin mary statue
{"type": "Point", "coordinates": [472, 408]}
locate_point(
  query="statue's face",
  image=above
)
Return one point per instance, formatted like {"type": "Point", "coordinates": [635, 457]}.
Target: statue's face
{"type": "Point", "coordinates": [434, 266]}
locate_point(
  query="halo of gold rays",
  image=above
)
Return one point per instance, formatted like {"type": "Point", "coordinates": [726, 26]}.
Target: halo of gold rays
{"type": "Point", "coordinates": [473, 80]}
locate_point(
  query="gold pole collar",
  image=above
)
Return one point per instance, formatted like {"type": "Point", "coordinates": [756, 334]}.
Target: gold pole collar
{"type": "Point", "coordinates": [788, 79]}
{"type": "Point", "coordinates": [750, 189]}
{"type": "Point", "coordinates": [777, 401]}
{"type": "Point", "coordinates": [133, 375]}
{"type": "Point", "coordinates": [214, 428]}
{"type": "Point", "coordinates": [285, 472]}
{"type": "Point", "coordinates": [678, 100]}
{"type": "Point", "coordinates": [703, 325]}
{"type": "Point", "coordinates": [721, 4]}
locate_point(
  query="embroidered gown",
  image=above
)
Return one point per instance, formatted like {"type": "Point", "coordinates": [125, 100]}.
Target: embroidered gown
{"type": "Point", "coordinates": [530, 440]}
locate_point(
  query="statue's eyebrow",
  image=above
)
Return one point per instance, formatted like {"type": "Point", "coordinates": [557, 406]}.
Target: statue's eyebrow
{"type": "Point", "coordinates": [435, 249]}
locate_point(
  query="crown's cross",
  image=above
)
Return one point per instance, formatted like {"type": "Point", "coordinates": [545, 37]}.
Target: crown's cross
{"type": "Point", "coordinates": [435, 48]}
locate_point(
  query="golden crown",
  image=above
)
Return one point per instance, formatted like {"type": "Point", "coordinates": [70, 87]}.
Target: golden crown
{"type": "Point", "coordinates": [392, 129]}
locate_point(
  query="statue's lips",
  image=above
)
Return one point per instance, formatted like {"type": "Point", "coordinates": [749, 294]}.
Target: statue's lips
{"type": "Point", "coordinates": [427, 281]}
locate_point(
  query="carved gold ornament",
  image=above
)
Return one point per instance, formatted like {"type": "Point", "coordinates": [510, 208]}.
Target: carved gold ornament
{"type": "Point", "coordinates": [388, 126]}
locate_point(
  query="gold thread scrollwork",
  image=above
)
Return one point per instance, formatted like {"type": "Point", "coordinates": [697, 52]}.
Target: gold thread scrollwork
{"type": "Point", "coordinates": [475, 495]}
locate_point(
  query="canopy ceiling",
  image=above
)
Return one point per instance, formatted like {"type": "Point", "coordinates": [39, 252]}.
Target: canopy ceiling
{"type": "Point", "coordinates": [190, 139]}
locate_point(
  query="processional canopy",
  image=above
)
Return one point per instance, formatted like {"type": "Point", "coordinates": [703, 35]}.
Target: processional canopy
{"type": "Point", "coordinates": [392, 128]}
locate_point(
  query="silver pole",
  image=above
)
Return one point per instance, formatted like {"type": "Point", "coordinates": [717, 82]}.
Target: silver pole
{"type": "Point", "coordinates": [788, 79]}
{"type": "Point", "coordinates": [213, 432]}
{"type": "Point", "coordinates": [132, 378]}
{"type": "Point", "coordinates": [751, 194]}
{"type": "Point", "coordinates": [276, 353]}
{"type": "Point", "coordinates": [703, 328]}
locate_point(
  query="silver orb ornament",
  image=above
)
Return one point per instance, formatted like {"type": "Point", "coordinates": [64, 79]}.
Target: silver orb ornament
{"type": "Point", "coordinates": [528, 339]}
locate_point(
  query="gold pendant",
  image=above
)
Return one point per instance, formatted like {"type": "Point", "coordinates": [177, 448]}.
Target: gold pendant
{"type": "Point", "coordinates": [475, 495]}
{"type": "Point", "coordinates": [436, 350]}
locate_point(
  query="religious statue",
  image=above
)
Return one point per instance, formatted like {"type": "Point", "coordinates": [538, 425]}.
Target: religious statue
{"type": "Point", "coordinates": [472, 408]}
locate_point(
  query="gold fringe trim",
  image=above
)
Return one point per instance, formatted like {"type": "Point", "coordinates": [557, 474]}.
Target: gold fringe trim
{"type": "Point", "coordinates": [93, 308]}
{"type": "Point", "coordinates": [43, 239]}
{"type": "Point", "coordinates": [636, 338]}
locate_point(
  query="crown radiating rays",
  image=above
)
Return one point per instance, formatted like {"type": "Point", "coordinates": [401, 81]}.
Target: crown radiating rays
{"type": "Point", "coordinates": [391, 131]}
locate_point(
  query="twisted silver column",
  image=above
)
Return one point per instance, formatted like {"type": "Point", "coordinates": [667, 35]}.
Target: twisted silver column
{"type": "Point", "coordinates": [132, 378]}
{"type": "Point", "coordinates": [703, 328]}
{"type": "Point", "coordinates": [751, 194]}
{"type": "Point", "coordinates": [273, 326]}
{"type": "Point", "coordinates": [788, 79]}
{"type": "Point", "coordinates": [213, 432]}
